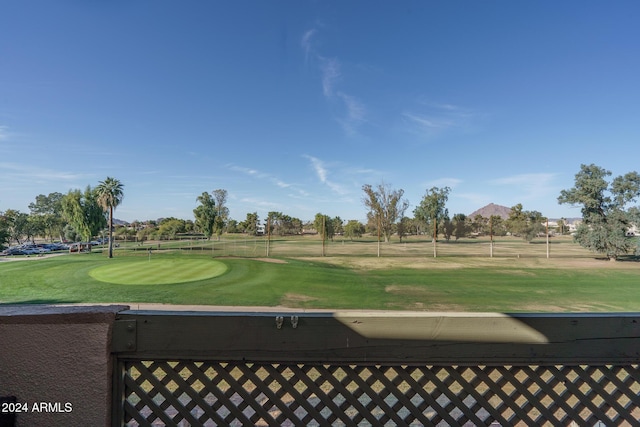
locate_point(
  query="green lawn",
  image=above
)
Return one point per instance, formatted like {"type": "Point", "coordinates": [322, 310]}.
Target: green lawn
{"type": "Point", "coordinates": [339, 282]}
{"type": "Point", "coordinates": [159, 271]}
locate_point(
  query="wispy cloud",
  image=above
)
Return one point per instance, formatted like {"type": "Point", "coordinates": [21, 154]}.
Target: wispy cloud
{"type": "Point", "coordinates": [330, 68]}
{"type": "Point", "coordinates": [428, 121]}
{"type": "Point", "coordinates": [355, 113]}
{"type": "Point", "coordinates": [247, 171]}
{"type": "Point", "coordinates": [306, 42]}
{"type": "Point", "coordinates": [352, 110]}
{"type": "Point", "coordinates": [4, 133]}
{"type": "Point", "coordinates": [254, 173]}
{"type": "Point", "coordinates": [321, 172]}
{"type": "Point", "coordinates": [431, 119]}
{"type": "Point", "coordinates": [36, 174]}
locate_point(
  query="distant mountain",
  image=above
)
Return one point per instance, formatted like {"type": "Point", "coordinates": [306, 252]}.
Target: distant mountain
{"type": "Point", "coordinates": [503, 212]}
{"type": "Point", "coordinates": [492, 209]}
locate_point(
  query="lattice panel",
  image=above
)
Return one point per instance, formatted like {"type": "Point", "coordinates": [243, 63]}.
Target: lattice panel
{"type": "Point", "coordinates": [186, 393]}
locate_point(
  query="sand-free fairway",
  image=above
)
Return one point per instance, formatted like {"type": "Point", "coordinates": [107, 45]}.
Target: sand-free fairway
{"type": "Point", "coordinates": [158, 271]}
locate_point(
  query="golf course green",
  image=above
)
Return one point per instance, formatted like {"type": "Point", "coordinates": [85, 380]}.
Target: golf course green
{"type": "Point", "coordinates": [139, 271]}
{"type": "Point", "coordinates": [519, 278]}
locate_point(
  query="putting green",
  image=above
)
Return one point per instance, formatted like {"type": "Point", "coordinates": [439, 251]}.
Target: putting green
{"type": "Point", "coordinates": [158, 271]}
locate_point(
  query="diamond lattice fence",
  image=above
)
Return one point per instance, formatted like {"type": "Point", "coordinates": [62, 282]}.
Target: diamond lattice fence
{"type": "Point", "coordinates": [187, 393]}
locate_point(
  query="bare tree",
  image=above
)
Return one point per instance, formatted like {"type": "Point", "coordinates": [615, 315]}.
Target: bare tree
{"type": "Point", "coordinates": [385, 205]}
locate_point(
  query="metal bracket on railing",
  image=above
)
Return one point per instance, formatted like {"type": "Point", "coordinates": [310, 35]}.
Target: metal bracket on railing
{"type": "Point", "coordinates": [124, 336]}
{"type": "Point", "coordinates": [279, 321]}
{"type": "Point", "coordinates": [294, 321]}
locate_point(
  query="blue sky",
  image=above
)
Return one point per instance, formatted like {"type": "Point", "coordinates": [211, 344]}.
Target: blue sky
{"type": "Point", "coordinates": [292, 106]}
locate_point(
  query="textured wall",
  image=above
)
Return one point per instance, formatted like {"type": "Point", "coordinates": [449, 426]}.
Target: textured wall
{"type": "Point", "coordinates": [56, 360]}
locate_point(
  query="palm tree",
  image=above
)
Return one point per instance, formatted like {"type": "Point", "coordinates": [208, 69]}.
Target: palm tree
{"type": "Point", "coordinates": [110, 195]}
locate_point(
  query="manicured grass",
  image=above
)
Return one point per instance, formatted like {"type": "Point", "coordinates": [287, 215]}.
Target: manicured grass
{"type": "Point", "coordinates": [393, 283]}
{"type": "Point", "coordinates": [157, 271]}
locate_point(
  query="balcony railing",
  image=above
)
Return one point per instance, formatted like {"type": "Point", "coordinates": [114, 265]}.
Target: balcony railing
{"type": "Point", "coordinates": [375, 368]}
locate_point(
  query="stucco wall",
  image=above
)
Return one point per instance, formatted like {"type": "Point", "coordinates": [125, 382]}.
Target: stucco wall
{"type": "Point", "coordinates": [57, 360]}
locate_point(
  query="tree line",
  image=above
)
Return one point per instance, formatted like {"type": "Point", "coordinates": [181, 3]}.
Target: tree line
{"type": "Point", "coordinates": [81, 215]}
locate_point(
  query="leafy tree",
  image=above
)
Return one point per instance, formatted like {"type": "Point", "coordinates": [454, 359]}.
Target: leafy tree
{"type": "Point", "coordinates": [250, 224]}
{"type": "Point", "coordinates": [169, 228]}
{"type": "Point", "coordinates": [496, 226]}
{"type": "Point", "coordinates": [460, 227]}
{"type": "Point", "coordinates": [294, 225]}
{"type": "Point", "coordinates": [386, 206]}
{"type": "Point", "coordinates": [127, 233]}
{"type": "Point", "coordinates": [526, 224]}
{"type": "Point", "coordinates": [222, 212]}
{"type": "Point", "coordinates": [145, 232]}
{"type": "Point", "coordinates": [282, 224]}
{"type": "Point", "coordinates": [206, 214]}
{"type": "Point", "coordinates": [70, 233]}
{"type": "Point", "coordinates": [325, 221]}
{"type": "Point", "coordinates": [84, 213]}
{"type": "Point", "coordinates": [447, 226]}
{"type": "Point", "coordinates": [354, 228]}
{"type": "Point", "coordinates": [232, 226]}
{"type": "Point", "coordinates": [338, 228]}
{"type": "Point", "coordinates": [517, 220]}
{"type": "Point", "coordinates": [109, 195]}
{"type": "Point", "coordinates": [432, 209]}
{"type": "Point", "coordinates": [4, 231]}
{"type": "Point", "coordinates": [189, 226]}
{"type": "Point", "coordinates": [480, 224]}
{"type": "Point", "coordinates": [48, 211]}
{"type": "Point", "coordinates": [605, 215]}
{"type": "Point", "coordinates": [18, 226]}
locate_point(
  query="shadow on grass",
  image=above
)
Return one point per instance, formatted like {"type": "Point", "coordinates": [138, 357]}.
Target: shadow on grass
{"type": "Point", "coordinates": [622, 258]}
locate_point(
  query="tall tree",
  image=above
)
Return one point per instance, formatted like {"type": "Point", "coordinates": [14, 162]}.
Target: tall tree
{"type": "Point", "coordinates": [606, 217]}
{"type": "Point", "coordinates": [110, 193]}
{"type": "Point", "coordinates": [205, 214]}
{"type": "Point", "coordinates": [48, 210]}
{"type": "Point", "coordinates": [386, 206]}
{"type": "Point", "coordinates": [84, 213]}
{"type": "Point", "coordinates": [4, 231]}
{"type": "Point", "coordinates": [17, 225]}
{"type": "Point", "coordinates": [222, 211]}
{"type": "Point", "coordinates": [250, 224]}
{"type": "Point", "coordinates": [432, 209]}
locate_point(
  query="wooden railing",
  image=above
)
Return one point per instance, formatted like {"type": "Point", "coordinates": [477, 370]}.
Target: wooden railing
{"type": "Point", "coordinates": [375, 368]}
